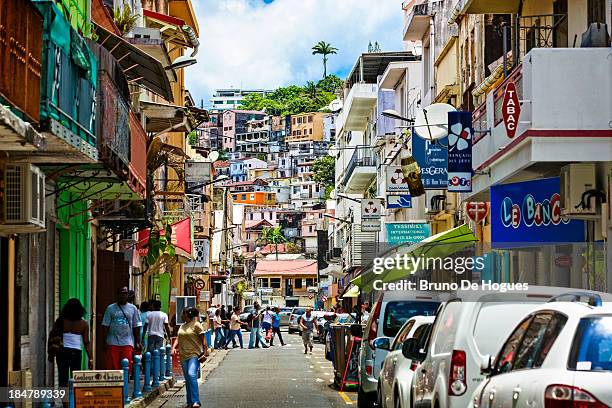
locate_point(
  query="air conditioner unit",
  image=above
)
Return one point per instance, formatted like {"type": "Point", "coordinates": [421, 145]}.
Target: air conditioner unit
{"type": "Point", "coordinates": [23, 206]}
{"type": "Point", "coordinates": [575, 180]}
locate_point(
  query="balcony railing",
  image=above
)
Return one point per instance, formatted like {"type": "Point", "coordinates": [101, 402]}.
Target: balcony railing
{"type": "Point", "coordinates": [69, 80]}
{"type": "Point", "coordinates": [360, 157]}
{"type": "Point", "coordinates": [541, 31]}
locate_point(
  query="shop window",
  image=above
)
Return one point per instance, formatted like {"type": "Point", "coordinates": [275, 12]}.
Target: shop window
{"type": "Point", "coordinates": [275, 283]}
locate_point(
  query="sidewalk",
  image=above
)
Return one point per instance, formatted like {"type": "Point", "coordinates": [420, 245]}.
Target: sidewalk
{"type": "Point", "coordinates": [174, 395]}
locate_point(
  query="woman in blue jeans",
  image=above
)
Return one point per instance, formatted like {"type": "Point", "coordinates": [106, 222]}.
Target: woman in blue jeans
{"type": "Point", "coordinates": [192, 350]}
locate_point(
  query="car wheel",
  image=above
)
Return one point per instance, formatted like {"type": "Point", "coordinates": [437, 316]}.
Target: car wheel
{"type": "Point", "coordinates": [365, 400]}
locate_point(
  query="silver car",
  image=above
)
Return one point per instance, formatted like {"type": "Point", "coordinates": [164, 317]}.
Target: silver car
{"type": "Point", "coordinates": [294, 325]}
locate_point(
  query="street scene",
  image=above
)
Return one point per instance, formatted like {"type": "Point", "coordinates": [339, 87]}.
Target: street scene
{"type": "Point", "coordinates": [280, 203]}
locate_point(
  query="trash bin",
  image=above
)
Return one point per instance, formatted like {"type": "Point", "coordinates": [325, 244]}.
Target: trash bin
{"type": "Point", "coordinates": [339, 337]}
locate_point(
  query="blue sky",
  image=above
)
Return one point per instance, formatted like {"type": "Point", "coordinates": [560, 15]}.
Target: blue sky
{"type": "Point", "coordinates": [267, 43]}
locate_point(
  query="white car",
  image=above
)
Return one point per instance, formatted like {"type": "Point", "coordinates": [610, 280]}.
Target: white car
{"type": "Point", "coordinates": [468, 327]}
{"type": "Point", "coordinates": [396, 374]}
{"type": "Point", "coordinates": [560, 355]}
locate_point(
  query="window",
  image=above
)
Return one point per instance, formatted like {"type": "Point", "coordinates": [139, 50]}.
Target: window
{"type": "Point", "coordinates": [401, 336]}
{"type": "Point", "coordinates": [398, 313]}
{"type": "Point", "coordinates": [275, 283]}
{"type": "Point", "coordinates": [309, 282]}
{"type": "Point", "coordinates": [243, 197]}
{"type": "Point", "coordinates": [592, 345]}
{"type": "Point", "coordinates": [252, 197]}
{"type": "Point", "coordinates": [310, 131]}
{"type": "Point", "coordinates": [539, 338]}
{"type": "Point", "coordinates": [310, 119]}
{"type": "Point", "coordinates": [298, 283]}
{"type": "Point", "coordinates": [505, 357]}
{"type": "Point", "coordinates": [310, 228]}
{"type": "Point", "coordinates": [263, 282]}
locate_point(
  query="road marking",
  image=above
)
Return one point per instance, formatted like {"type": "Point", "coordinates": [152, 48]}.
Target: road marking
{"type": "Point", "coordinates": [346, 398]}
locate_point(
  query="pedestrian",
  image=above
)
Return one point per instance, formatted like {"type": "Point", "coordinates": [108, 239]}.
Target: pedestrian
{"type": "Point", "coordinates": [192, 350]}
{"type": "Point", "coordinates": [276, 327]}
{"type": "Point", "coordinates": [218, 326]}
{"type": "Point", "coordinates": [226, 324]}
{"type": "Point", "coordinates": [307, 324]}
{"type": "Point", "coordinates": [266, 324]}
{"type": "Point", "coordinates": [235, 325]}
{"type": "Point", "coordinates": [69, 334]}
{"type": "Point", "coordinates": [144, 311]}
{"type": "Point", "coordinates": [121, 331]}
{"type": "Point", "coordinates": [255, 337]}
{"type": "Point", "coordinates": [157, 327]}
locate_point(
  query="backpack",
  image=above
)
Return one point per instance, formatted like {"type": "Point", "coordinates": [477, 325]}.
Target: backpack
{"type": "Point", "coordinates": [55, 343]}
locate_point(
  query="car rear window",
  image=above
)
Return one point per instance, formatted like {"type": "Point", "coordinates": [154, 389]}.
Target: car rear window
{"type": "Point", "coordinates": [592, 346]}
{"type": "Point", "coordinates": [490, 331]}
{"type": "Point", "coordinates": [398, 313]}
{"type": "Point", "coordinates": [299, 312]}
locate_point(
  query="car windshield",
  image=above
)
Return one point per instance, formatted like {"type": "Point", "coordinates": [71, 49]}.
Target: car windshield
{"type": "Point", "coordinates": [592, 346]}
{"type": "Point", "coordinates": [398, 313]}
{"type": "Point", "coordinates": [299, 312]}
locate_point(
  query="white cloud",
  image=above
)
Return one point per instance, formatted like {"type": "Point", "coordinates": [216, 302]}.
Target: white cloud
{"type": "Point", "coordinates": [248, 43]}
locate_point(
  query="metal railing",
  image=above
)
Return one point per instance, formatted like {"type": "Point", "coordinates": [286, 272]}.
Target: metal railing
{"type": "Point", "coordinates": [361, 157]}
{"type": "Point", "coordinates": [541, 31]}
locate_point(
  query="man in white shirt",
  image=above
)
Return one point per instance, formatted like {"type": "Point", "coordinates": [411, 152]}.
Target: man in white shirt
{"type": "Point", "coordinates": [157, 324]}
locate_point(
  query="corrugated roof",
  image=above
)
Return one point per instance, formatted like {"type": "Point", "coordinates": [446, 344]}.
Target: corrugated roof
{"type": "Point", "coordinates": [294, 267]}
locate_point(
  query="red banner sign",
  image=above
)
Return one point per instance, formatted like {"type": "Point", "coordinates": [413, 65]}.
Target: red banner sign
{"type": "Point", "coordinates": [181, 237]}
{"type": "Point", "coordinates": [477, 211]}
{"type": "Point", "coordinates": [511, 109]}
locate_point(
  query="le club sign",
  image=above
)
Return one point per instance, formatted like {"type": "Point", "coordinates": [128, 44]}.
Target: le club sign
{"type": "Point", "coordinates": [511, 109]}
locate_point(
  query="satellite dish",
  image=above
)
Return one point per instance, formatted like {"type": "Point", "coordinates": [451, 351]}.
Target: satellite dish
{"type": "Point", "coordinates": [431, 122]}
{"type": "Point", "coordinates": [333, 151]}
{"type": "Point", "coordinates": [213, 156]}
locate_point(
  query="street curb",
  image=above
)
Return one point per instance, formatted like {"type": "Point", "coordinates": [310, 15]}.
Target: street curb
{"type": "Point", "coordinates": [152, 395]}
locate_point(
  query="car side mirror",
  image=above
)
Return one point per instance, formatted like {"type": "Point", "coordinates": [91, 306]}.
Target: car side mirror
{"type": "Point", "coordinates": [381, 343]}
{"type": "Point", "coordinates": [356, 330]}
{"type": "Point", "coordinates": [486, 365]}
{"type": "Point", "coordinates": [410, 350]}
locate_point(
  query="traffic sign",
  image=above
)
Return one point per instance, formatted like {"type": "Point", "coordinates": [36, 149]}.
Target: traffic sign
{"type": "Point", "coordinates": [310, 295]}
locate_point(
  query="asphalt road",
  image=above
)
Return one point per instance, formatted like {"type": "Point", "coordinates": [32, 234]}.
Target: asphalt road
{"type": "Point", "coordinates": [273, 377]}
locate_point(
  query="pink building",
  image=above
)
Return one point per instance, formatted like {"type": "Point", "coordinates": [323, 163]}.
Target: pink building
{"type": "Point", "coordinates": [235, 121]}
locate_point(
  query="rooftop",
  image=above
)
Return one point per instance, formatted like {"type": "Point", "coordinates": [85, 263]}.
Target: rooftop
{"type": "Point", "coordinates": [370, 65]}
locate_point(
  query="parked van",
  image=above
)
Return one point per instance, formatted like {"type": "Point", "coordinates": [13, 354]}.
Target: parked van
{"type": "Point", "coordinates": [389, 314]}
{"type": "Point", "coordinates": [469, 327]}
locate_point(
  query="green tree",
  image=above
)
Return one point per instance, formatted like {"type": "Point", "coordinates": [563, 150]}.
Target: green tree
{"type": "Point", "coordinates": [291, 100]}
{"type": "Point", "coordinates": [311, 89]}
{"type": "Point", "coordinates": [324, 169]}
{"type": "Point", "coordinates": [330, 83]}
{"type": "Point", "coordinates": [274, 236]}
{"type": "Point", "coordinates": [323, 48]}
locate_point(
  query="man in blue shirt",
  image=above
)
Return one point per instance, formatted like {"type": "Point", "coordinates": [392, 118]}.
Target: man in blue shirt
{"type": "Point", "coordinates": [276, 327]}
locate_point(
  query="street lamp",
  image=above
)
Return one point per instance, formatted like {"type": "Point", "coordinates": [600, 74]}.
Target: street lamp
{"type": "Point", "coordinates": [182, 62]}
{"type": "Point", "coordinates": [338, 219]}
{"type": "Point", "coordinates": [393, 114]}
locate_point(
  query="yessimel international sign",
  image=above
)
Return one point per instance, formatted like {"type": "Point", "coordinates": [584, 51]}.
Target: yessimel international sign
{"type": "Point", "coordinates": [406, 232]}
{"type": "Point", "coordinates": [529, 213]}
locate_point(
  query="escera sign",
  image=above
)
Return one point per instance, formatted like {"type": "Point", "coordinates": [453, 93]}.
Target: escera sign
{"type": "Point", "coordinates": [511, 109]}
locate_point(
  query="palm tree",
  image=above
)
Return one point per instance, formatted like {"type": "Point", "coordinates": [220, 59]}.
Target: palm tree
{"type": "Point", "coordinates": [324, 49]}
{"type": "Point", "coordinates": [273, 235]}
{"type": "Point", "coordinates": [311, 89]}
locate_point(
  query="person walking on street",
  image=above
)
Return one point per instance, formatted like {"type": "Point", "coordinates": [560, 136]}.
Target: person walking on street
{"type": "Point", "coordinates": [256, 337]}
{"type": "Point", "coordinates": [276, 327]}
{"type": "Point", "coordinates": [69, 334]}
{"type": "Point", "coordinates": [235, 325]}
{"type": "Point", "coordinates": [226, 323]}
{"type": "Point", "coordinates": [121, 331]}
{"type": "Point", "coordinates": [192, 350]}
{"type": "Point", "coordinates": [307, 325]}
{"type": "Point", "coordinates": [218, 326]}
{"type": "Point", "coordinates": [266, 324]}
{"type": "Point", "coordinates": [156, 325]}
{"type": "Point", "coordinates": [144, 309]}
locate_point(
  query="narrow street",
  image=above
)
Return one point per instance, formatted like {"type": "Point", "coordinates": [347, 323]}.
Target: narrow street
{"type": "Point", "coordinates": [274, 377]}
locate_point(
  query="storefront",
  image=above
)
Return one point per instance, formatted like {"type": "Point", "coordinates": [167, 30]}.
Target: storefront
{"type": "Point", "coordinates": [531, 241]}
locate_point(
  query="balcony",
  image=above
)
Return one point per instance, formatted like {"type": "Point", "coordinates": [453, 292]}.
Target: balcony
{"type": "Point", "coordinates": [417, 22]}
{"type": "Point", "coordinates": [358, 106]}
{"type": "Point", "coordinates": [360, 171]}
{"type": "Point", "coordinates": [68, 92]}
{"type": "Point", "coordinates": [560, 121]}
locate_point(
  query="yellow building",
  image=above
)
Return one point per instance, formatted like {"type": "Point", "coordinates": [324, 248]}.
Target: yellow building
{"type": "Point", "coordinates": [306, 127]}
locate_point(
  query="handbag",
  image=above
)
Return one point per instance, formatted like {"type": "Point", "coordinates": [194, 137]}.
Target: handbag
{"type": "Point", "coordinates": [55, 343]}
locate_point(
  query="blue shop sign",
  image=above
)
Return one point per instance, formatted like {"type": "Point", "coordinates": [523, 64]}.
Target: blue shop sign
{"type": "Point", "coordinates": [529, 213]}
{"type": "Point", "coordinates": [406, 232]}
{"type": "Point", "coordinates": [399, 201]}
{"type": "Point", "coordinates": [432, 158]}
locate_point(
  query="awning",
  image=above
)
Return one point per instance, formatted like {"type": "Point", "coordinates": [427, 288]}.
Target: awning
{"type": "Point", "coordinates": [169, 26]}
{"type": "Point", "coordinates": [165, 117]}
{"type": "Point", "coordinates": [137, 65]}
{"type": "Point", "coordinates": [440, 245]}
{"type": "Point", "coordinates": [353, 292]}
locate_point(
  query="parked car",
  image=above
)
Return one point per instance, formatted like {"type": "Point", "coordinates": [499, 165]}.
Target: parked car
{"type": "Point", "coordinates": [293, 319]}
{"type": "Point", "coordinates": [246, 311]}
{"type": "Point", "coordinates": [389, 314]}
{"type": "Point", "coordinates": [468, 327]}
{"type": "Point", "coordinates": [396, 374]}
{"type": "Point", "coordinates": [560, 355]}
{"type": "Point", "coordinates": [322, 317]}
{"type": "Point", "coordinates": [285, 314]}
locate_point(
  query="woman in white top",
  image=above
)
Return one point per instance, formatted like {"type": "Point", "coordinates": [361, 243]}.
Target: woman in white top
{"type": "Point", "coordinates": [218, 326]}
{"type": "Point", "coordinates": [75, 334]}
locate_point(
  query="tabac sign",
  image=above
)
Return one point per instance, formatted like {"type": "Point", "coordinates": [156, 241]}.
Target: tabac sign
{"type": "Point", "coordinates": [511, 109]}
